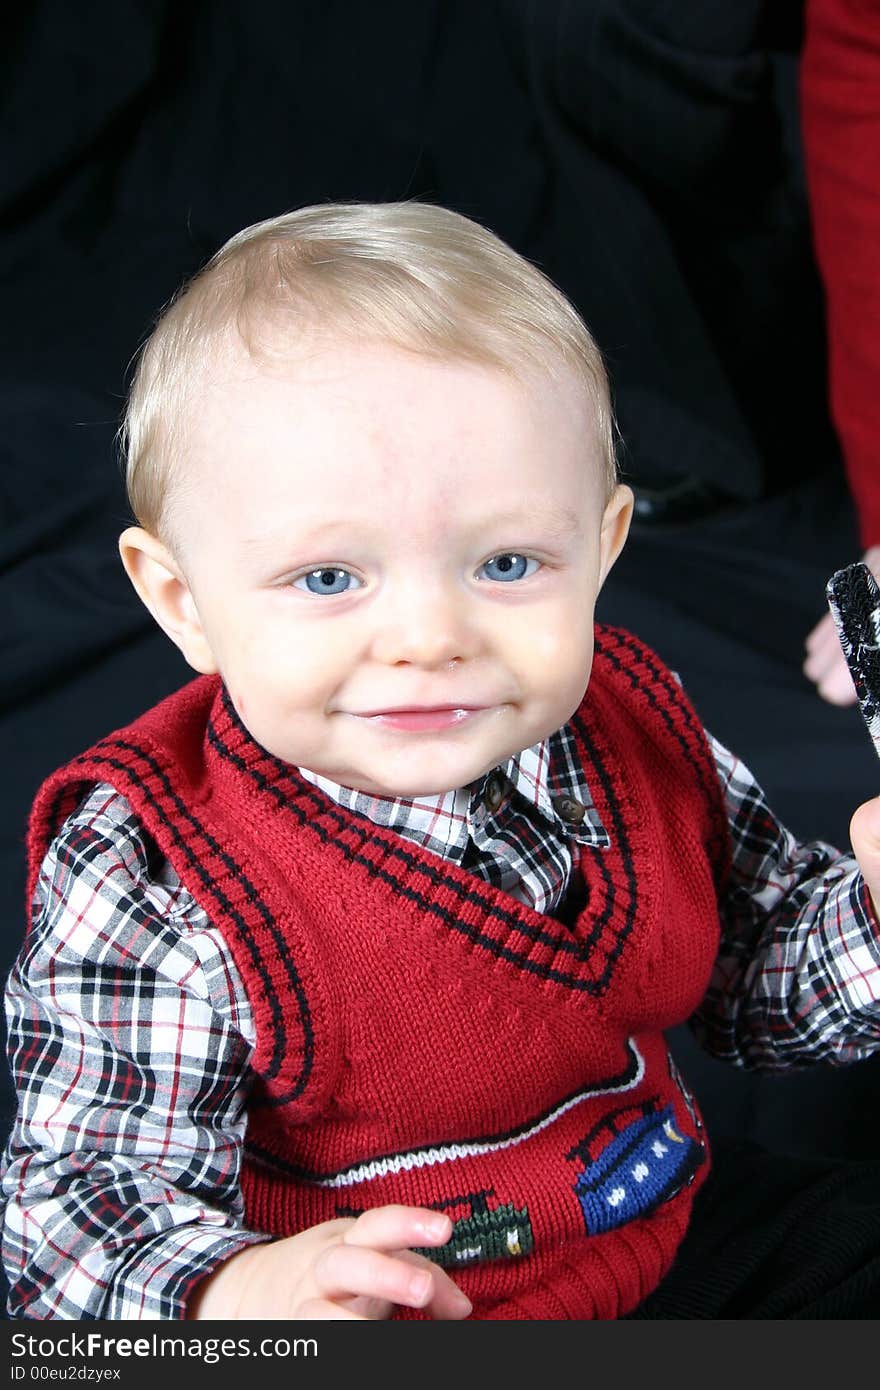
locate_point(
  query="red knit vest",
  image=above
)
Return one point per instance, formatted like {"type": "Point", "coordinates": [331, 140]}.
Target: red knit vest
{"type": "Point", "coordinates": [423, 1037]}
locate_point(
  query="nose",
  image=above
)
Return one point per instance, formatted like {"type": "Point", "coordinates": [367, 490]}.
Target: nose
{"type": "Point", "coordinates": [424, 626]}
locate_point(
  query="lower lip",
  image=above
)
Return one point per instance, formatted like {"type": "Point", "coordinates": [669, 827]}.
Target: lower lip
{"type": "Point", "coordinates": [424, 720]}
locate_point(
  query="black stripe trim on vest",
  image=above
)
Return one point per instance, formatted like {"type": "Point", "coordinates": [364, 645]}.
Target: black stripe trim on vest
{"type": "Point", "coordinates": [576, 949]}
{"type": "Point", "coordinates": [623, 846]}
{"type": "Point", "coordinates": [698, 753]}
{"type": "Point", "coordinates": [667, 683]}
{"type": "Point", "coordinates": [395, 845]}
{"type": "Point", "coordinates": [278, 1025]}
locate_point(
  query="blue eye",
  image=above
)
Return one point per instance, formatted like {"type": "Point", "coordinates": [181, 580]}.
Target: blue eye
{"type": "Point", "coordinates": [506, 568]}
{"type": "Point", "coordinates": [327, 581]}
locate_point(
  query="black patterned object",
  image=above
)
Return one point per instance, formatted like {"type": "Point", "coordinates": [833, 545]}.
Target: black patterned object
{"type": "Point", "coordinates": [854, 600]}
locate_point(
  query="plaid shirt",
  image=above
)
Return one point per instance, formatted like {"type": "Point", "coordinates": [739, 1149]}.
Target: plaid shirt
{"type": "Point", "coordinates": [130, 1033]}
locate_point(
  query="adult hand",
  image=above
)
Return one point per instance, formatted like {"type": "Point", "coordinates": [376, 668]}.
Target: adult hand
{"type": "Point", "coordinates": [825, 664]}
{"type": "Point", "coordinates": [864, 831]}
{"type": "Point", "coordinates": [354, 1269]}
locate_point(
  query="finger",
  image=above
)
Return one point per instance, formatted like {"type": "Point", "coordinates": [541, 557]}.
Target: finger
{"type": "Point", "coordinates": [394, 1227]}
{"type": "Point", "coordinates": [826, 666]}
{"type": "Point", "coordinates": [343, 1271]}
{"type": "Point", "coordinates": [323, 1310]}
{"type": "Point", "coordinates": [837, 686]}
{"type": "Point", "coordinates": [447, 1302]}
{"type": "Point", "coordinates": [820, 634]}
{"type": "Point", "coordinates": [824, 649]}
{"type": "Point", "coordinates": [864, 831]}
{"type": "Point", "coordinates": [833, 680]}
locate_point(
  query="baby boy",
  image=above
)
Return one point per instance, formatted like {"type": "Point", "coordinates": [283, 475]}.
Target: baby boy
{"type": "Point", "coordinates": [350, 963]}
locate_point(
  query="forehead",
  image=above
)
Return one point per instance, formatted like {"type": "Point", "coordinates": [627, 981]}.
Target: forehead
{"type": "Point", "coordinates": [367, 429]}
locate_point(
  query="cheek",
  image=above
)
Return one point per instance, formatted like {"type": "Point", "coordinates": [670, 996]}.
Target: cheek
{"type": "Point", "coordinates": [295, 664]}
{"type": "Point", "coordinates": [555, 643]}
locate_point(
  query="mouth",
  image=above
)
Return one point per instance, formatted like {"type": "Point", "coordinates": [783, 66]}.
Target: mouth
{"type": "Point", "coordinates": [422, 719]}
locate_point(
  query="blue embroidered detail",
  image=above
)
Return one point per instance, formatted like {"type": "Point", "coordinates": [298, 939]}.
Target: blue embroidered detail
{"type": "Point", "coordinates": [645, 1163]}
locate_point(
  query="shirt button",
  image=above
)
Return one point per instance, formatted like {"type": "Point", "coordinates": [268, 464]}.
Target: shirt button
{"type": "Point", "coordinates": [495, 791]}
{"type": "Point", "coordinates": [569, 810]}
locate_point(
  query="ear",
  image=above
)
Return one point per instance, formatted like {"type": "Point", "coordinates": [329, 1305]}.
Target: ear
{"type": "Point", "coordinates": [163, 589]}
{"type": "Point", "coordinates": [615, 528]}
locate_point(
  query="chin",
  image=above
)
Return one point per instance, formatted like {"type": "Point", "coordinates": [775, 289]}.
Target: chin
{"type": "Point", "coordinates": [406, 782]}
{"type": "Point", "coordinates": [410, 790]}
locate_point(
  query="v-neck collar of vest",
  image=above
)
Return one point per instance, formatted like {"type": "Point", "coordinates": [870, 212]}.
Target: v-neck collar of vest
{"type": "Point", "coordinates": [581, 957]}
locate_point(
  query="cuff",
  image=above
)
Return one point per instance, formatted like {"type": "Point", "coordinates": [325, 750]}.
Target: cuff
{"type": "Point", "coordinates": [168, 1268]}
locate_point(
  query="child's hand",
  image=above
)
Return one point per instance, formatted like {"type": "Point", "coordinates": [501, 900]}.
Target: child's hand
{"type": "Point", "coordinates": [864, 831]}
{"type": "Point", "coordinates": [358, 1268]}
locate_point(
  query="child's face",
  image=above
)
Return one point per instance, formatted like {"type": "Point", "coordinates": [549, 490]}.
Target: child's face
{"type": "Point", "coordinates": [393, 561]}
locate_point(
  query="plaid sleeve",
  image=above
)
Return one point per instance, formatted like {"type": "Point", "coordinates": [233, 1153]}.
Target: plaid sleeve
{"type": "Point", "coordinates": [129, 1040]}
{"type": "Point", "coordinates": [797, 978]}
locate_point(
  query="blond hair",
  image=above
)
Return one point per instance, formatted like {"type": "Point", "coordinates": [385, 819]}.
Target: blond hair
{"type": "Point", "coordinates": [408, 274]}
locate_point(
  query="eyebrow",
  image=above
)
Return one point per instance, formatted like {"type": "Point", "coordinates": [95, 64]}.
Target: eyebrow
{"type": "Point", "coordinates": [270, 539]}
{"type": "Point", "coordinates": [560, 522]}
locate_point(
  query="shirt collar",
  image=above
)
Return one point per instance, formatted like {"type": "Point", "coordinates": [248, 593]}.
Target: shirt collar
{"type": "Point", "coordinates": [547, 777]}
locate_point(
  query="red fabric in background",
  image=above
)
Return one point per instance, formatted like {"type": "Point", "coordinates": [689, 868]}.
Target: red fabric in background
{"type": "Point", "coordinates": [840, 108]}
